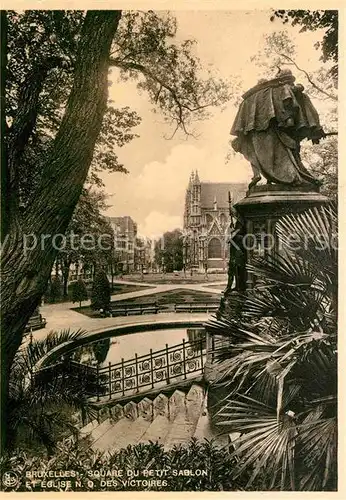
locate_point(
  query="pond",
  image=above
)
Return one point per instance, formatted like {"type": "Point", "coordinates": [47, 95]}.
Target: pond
{"type": "Point", "coordinates": [126, 346]}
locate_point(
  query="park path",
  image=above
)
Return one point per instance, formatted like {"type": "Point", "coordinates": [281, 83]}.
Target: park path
{"type": "Point", "coordinates": [62, 316]}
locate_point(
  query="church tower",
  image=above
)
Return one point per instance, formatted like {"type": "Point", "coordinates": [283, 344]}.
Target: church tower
{"type": "Point", "coordinates": [195, 215]}
{"type": "Point", "coordinates": [206, 223]}
{"type": "Point", "coordinates": [188, 197]}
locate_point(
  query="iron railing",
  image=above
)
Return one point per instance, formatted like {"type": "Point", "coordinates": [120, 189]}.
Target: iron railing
{"type": "Point", "coordinates": [154, 370]}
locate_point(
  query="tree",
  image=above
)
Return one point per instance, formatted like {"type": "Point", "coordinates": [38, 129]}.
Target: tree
{"type": "Point", "coordinates": [43, 401]}
{"type": "Point", "coordinates": [89, 239]}
{"type": "Point", "coordinates": [169, 251]}
{"type": "Point", "coordinates": [55, 83]}
{"type": "Point", "coordinates": [54, 289]}
{"type": "Point", "coordinates": [279, 50]}
{"type": "Point", "coordinates": [24, 275]}
{"type": "Point", "coordinates": [279, 366]}
{"type": "Point", "coordinates": [101, 292]}
{"type": "Point", "coordinates": [313, 20]}
{"type": "Point", "coordinates": [323, 163]}
{"type": "Point", "coordinates": [79, 292]}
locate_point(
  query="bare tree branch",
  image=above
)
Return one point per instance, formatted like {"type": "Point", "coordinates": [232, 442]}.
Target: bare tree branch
{"type": "Point", "coordinates": [179, 101]}
{"type": "Point", "coordinates": [328, 94]}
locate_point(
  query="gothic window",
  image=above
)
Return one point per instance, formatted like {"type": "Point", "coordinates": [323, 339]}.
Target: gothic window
{"type": "Point", "coordinates": [223, 219]}
{"type": "Point", "coordinates": [209, 219]}
{"type": "Point", "coordinates": [214, 249]}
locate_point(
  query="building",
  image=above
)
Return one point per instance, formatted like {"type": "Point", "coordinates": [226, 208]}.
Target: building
{"type": "Point", "coordinates": [125, 236]}
{"type": "Point", "coordinates": [144, 255]}
{"type": "Point", "coordinates": [206, 223]}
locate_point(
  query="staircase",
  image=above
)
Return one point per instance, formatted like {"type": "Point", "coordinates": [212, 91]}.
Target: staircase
{"type": "Point", "coordinates": [169, 420]}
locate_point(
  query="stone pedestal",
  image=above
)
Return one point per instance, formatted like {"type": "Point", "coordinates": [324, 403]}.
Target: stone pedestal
{"type": "Point", "coordinates": [260, 210]}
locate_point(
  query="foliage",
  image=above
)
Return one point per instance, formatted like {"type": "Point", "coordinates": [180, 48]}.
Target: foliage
{"type": "Point", "coordinates": [54, 291]}
{"type": "Point", "coordinates": [101, 292]}
{"type": "Point", "coordinates": [79, 291]}
{"type": "Point", "coordinates": [279, 362]}
{"type": "Point", "coordinates": [169, 251]}
{"type": "Point", "coordinates": [42, 398]}
{"type": "Point", "coordinates": [170, 73]}
{"type": "Point", "coordinates": [58, 122]}
{"type": "Point", "coordinates": [89, 239]}
{"type": "Point", "coordinates": [45, 43]}
{"type": "Point", "coordinates": [322, 160]}
{"type": "Point", "coordinates": [279, 50]}
{"type": "Point", "coordinates": [313, 20]}
{"type": "Point", "coordinates": [74, 456]}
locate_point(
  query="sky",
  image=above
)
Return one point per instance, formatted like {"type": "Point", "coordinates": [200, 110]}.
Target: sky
{"type": "Point", "coordinates": [153, 191]}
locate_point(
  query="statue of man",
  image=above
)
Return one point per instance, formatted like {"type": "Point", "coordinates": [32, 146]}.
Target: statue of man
{"type": "Point", "coordinates": [272, 120]}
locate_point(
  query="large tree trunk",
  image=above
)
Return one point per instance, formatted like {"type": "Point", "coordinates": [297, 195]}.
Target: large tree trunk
{"type": "Point", "coordinates": [24, 271]}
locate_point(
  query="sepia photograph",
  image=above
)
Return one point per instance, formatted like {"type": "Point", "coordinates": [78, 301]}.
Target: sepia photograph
{"type": "Point", "coordinates": [169, 250]}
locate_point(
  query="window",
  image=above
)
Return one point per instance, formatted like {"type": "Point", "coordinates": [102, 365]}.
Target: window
{"type": "Point", "coordinates": [223, 219]}
{"type": "Point", "coordinates": [209, 219]}
{"type": "Point", "coordinates": [214, 249]}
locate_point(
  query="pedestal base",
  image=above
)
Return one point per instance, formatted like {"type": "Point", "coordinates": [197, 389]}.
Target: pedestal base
{"type": "Point", "coordinates": [263, 206]}
{"type": "Point", "coordinates": [279, 199]}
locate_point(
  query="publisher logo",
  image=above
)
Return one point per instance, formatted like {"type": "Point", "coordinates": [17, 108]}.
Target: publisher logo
{"type": "Point", "coordinates": [10, 479]}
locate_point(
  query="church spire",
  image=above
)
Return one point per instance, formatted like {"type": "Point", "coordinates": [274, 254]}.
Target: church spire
{"type": "Point", "coordinates": [197, 181]}
{"type": "Point", "coordinates": [215, 203]}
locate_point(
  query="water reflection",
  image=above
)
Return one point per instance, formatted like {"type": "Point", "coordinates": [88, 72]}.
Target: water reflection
{"type": "Point", "coordinates": [126, 346]}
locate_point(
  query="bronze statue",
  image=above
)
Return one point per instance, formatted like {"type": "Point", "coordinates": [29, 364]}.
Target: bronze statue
{"type": "Point", "coordinates": [272, 120]}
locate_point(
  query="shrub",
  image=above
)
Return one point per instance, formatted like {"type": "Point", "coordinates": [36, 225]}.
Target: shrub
{"type": "Point", "coordinates": [79, 292]}
{"type": "Point", "coordinates": [101, 292]}
{"type": "Point", "coordinates": [55, 289]}
{"type": "Point", "coordinates": [78, 457]}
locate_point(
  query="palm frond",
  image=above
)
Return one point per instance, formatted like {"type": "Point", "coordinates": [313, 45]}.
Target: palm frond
{"type": "Point", "coordinates": [266, 445]}
{"type": "Point", "coordinates": [38, 348]}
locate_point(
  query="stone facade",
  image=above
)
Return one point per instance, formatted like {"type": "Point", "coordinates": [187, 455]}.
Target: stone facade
{"type": "Point", "coordinates": [206, 223]}
{"type": "Point", "coordinates": [125, 233]}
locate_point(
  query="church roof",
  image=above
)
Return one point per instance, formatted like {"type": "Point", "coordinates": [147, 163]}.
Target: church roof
{"type": "Point", "coordinates": [219, 191]}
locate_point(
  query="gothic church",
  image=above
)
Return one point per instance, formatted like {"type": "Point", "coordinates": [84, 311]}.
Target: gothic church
{"type": "Point", "coordinates": [206, 223]}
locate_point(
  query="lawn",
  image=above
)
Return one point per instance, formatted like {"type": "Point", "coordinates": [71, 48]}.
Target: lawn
{"type": "Point", "coordinates": [170, 278]}
{"type": "Point", "coordinates": [118, 289]}
{"type": "Point", "coordinates": [174, 296]}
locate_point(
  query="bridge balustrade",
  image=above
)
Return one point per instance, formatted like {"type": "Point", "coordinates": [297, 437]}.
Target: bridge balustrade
{"type": "Point", "coordinates": [154, 370]}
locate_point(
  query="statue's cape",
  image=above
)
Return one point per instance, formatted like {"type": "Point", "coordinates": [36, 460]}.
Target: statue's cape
{"type": "Point", "coordinates": [277, 103]}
